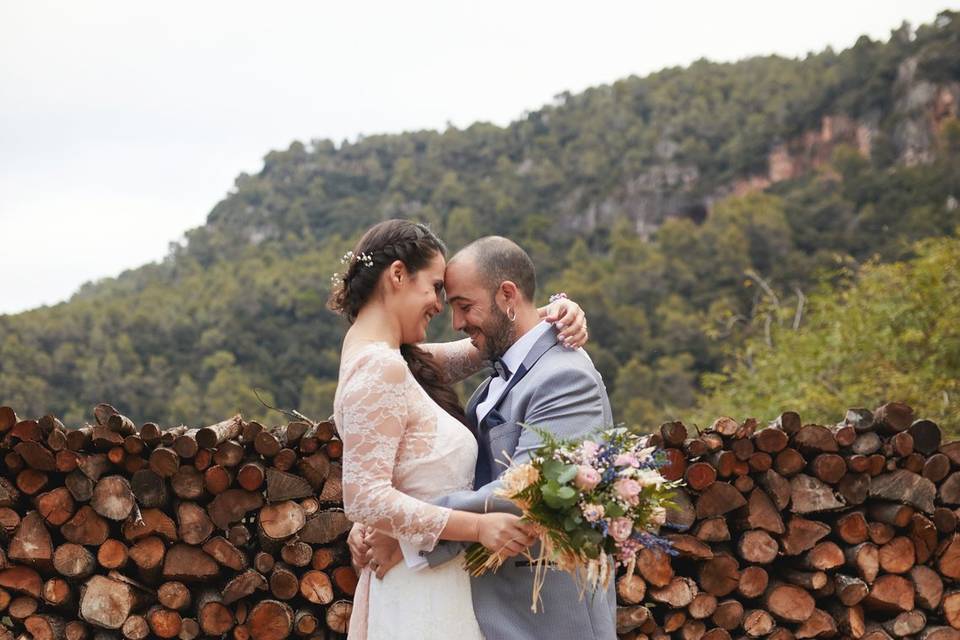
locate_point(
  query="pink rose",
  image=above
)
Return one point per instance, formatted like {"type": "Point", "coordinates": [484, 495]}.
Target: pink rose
{"type": "Point", "coordinates": [588, 449]}
{"type": "Point", "coordinates": [587, 478]}
{"type": "Point", "coordinates": [592, 512]}
{"type": "Point", "coordinates": [621, 528]}
{"type": "Point", "coordinates": [628, 489]}
{"type": "Point", "coordinates": [626, 460]}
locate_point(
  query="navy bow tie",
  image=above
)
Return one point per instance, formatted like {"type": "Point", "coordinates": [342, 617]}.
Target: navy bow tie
{"type": "Point", "coordinates": [501, 369]}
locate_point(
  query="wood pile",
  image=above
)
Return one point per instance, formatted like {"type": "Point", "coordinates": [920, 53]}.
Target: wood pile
{"type": "Point", "coordinates": [805, 531]}
{"type": "Point", "coordinates": [229, 531]}
{"type": "Point", "coordinates": [236, 531]}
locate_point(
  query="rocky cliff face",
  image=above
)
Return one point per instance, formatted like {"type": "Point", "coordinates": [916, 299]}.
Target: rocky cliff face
{"type": "Point", "coordinates": [922, 107]}
{"type": "Point", "coordinates": [674, 190]}
{"type": "Point", "coordinates": [647, 199]}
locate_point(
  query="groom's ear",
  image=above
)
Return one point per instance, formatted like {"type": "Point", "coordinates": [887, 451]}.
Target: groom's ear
{"type": "Point", "coordinates": [509, 292]}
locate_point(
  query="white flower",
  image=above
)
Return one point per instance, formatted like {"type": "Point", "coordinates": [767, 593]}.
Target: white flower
{"type": "Point", "coordinates": [646, 454]}
{"type": "Point", "coordinates": [592, 512]}
{"type": "Point", "coordinates": [658, 516]}
{"type": "Point", "coordinates": [649, 477]}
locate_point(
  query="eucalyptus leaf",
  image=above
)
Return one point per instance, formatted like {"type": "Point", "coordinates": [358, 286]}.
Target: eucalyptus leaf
{"type": "Point", "coordinates": [552, 469]}
{"type": "Point", "coordinates": [569, 473]}
{"type": "Point", "coordinates": [613, 510]}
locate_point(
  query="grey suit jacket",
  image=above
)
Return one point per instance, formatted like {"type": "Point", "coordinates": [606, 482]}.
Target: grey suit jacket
{"type": "Point", "coordinates": [559, 390]}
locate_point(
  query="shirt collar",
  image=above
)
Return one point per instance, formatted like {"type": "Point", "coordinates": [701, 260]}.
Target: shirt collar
{"type": "Point", "coordinates": [518, 351]}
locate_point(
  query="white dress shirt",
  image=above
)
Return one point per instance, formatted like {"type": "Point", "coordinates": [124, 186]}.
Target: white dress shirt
{"type": "Point", "coordinates": [513, 358]}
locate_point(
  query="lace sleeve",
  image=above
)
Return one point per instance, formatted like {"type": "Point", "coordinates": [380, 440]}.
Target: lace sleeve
{"type": "Point", "coordinates": [374, 412]}
{"type": "Point", "coordinates": [458, 359]}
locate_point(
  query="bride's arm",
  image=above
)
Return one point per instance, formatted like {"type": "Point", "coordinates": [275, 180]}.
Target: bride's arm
{"type": "Point", "coordinates": [459, 359]}
{"type": "Point", "coordinates": [374, 414]}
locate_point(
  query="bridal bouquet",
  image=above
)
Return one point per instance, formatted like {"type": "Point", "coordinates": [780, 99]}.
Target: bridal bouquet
{"type": "Point", "coordinates": [590, 502]}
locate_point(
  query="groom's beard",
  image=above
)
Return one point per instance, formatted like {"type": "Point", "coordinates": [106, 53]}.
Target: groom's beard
{"type": "Point", "coordinates": [499, 333]}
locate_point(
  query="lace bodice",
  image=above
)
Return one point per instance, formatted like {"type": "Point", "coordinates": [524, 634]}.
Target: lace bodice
{"type": "Point", "coordinates": [401, 450]}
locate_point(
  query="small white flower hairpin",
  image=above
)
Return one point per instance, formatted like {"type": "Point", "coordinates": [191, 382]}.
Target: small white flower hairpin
{"type": "Point", "coordinates": [366, 259]}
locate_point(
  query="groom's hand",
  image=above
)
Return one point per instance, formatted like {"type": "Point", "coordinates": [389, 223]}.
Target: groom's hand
{"type": "Point", "coordinates": [384, 552]}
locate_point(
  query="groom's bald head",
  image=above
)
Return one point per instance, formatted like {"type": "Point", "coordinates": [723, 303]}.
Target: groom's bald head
{"type": "Point", "coordinates": [496, 260]}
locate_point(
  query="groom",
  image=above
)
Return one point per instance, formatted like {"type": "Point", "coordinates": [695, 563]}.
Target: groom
{"type": "Point", "coordinates": [490, 286]}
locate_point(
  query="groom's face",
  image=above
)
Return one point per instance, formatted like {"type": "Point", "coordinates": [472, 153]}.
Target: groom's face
{"type": "Point", "coordinates": [474, 310]}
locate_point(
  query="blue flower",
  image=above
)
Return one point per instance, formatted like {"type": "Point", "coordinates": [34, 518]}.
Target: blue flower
{"type": "Point", "coordinates": [655, 542]}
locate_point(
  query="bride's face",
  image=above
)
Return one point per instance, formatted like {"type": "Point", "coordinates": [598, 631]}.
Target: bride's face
{"type": "Point", "coordinates": [419, 299]}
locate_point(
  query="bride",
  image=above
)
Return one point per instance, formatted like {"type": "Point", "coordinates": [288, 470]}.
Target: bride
{"type": "Point", "coordinates": [404, 433]}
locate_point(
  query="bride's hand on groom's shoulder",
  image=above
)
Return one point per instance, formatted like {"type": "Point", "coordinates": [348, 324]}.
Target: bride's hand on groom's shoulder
{"type": "Point", "coordinates": [570, 320]}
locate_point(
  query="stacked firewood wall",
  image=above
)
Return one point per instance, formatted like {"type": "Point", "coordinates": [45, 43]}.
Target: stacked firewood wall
{"type": "Point", "coordinates": [113, 531]}
{"type": "Point", "coordinates": [237, 531]}
{"type": "Point", "coordinates": [805, 531]}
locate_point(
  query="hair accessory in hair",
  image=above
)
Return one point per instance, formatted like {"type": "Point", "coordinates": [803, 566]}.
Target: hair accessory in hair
{"type": "Point", "coordinates": [365, 258]}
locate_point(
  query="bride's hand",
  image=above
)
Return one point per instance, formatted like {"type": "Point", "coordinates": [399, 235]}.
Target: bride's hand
{"type": "Point", "coordinates": [569, 319]}
{"type": "Point", "coordinates": [504, 534]}
{"type": "Point", "coordinates": [384, 552]}
{"type": "Point", "coordinates": [358, 547]}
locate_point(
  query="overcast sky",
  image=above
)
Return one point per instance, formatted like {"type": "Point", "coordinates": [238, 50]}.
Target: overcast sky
{"type": "Point", "coordinates": [123, 123]}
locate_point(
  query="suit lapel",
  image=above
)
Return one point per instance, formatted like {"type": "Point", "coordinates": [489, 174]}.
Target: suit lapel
{"type": "Point", "coordinates": [472, 403]}
{"type": "Point", "coordinates": [484, 470]}
{"type": "Point", "coordinates": [540, 347]}
{"type": "Point", "coordinates": [514, 379]}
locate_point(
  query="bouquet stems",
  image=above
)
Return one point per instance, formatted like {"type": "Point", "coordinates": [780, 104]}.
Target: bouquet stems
{"type": "Point", "coordinates": [479, 560]}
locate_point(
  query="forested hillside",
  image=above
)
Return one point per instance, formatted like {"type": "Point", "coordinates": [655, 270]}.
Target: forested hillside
{"type": "Point", "coordinates": [690, 211]}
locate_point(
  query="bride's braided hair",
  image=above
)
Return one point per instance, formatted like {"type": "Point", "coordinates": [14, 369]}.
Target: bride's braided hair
{"type": "Point", "coordinates": [415, 245]}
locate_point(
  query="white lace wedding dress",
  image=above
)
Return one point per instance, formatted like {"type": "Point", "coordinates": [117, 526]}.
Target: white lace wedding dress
{"type": "Point", "coordinates": [402, 450]}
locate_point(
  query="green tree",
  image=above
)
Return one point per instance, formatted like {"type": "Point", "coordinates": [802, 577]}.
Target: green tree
{"type": "Point", "coordinates": [891, 336]}
{"type": "Point", "coordinates": [316, 398]}
{"type": "Point", "coordinates": [186, 402]}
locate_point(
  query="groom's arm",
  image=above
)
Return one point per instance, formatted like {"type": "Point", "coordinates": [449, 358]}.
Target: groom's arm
{"type": "Point", "coordinates": [569, 404]}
